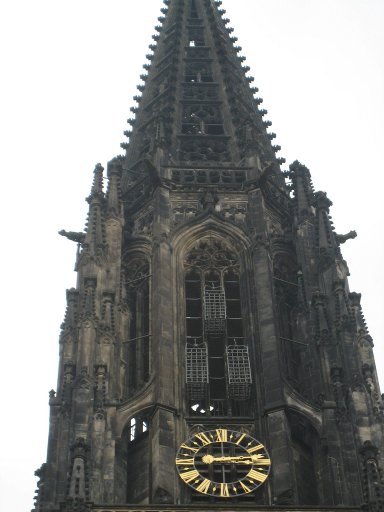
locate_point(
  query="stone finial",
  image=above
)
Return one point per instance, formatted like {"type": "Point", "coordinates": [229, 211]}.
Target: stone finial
{"type": "Point", "coordinates": [322, 201]}
{"type": "Point", "coordinates": [113, 192]}
{"type": "Point", "coordinates": [97, 186]}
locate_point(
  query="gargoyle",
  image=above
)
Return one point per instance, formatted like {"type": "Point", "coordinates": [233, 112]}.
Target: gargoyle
{"type": "Point", "coordinates": [73, 235]}
{"type": "Point", "coordinates": [341, 239]}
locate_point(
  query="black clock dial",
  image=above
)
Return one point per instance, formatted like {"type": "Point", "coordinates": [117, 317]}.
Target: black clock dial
{"type": "Point", "coordinates": [223, 463]}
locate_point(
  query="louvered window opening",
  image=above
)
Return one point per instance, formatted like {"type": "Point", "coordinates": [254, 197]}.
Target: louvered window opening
{"type": "Point", "coordinates": [196, 357]}
{"type": "Point", "coordinates": [239, 372]}
{"type": "Point", "coordinates": [202, 129]}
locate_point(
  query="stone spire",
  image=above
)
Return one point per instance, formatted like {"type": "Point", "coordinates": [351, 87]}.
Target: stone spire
{"type": "Point", "coordinates": [197, 105]}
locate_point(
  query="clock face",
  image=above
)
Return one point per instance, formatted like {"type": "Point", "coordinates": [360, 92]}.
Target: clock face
{"type": "Point", "coordinates": [223, 463]}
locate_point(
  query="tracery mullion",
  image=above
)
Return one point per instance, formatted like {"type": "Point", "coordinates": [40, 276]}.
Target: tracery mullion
{"type": "Point", "coordinates": [147, 331]}
{"type": "Point", "coordinates": [132, 342]}
{"type": "Point", "coordinates": [139, 335]}
{"type": "Point", "coordinates": [215, 332]}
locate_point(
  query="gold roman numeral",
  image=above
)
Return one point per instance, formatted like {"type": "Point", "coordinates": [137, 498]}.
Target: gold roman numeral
{"type": "Point", "coordinates": [256, 475]}
{"type": "Point", "coordinates": [203, 438]}
{"type": "Point", "coordinates": [189, 476]}
{"type": "Point", "coordinates": [222, 435]}
{"type": "Point", "coordinates": [224, 490]}
{"type": "Point", "coordinates": [184, 462]}
{"type": "Point", "coordinates": [240, 439]}
{"type": "Point", "coordinates": [245, 488]}
{"type": "Point", "coordinates": [263, 462]}
{"type": "Point", "coordinates": [255, 448]}
{"type": "Point", "coordinates": [204, 486]}
{"type": "Point", "coordinates": [186, 447]}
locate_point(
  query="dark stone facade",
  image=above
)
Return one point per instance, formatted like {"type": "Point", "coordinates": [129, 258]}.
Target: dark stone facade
{"type": "Point", "coordinates": [212, 292]}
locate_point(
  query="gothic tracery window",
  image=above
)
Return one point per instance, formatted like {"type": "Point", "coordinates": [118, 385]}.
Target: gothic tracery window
{"type": "Point", "coordinates": [136, 346]}
{"type": "Point", "coordinates": [218, 374]}
{"type": "Point", "coordinates": [286, 289]}
{"type": "Point", "coordinates": [202, 120]}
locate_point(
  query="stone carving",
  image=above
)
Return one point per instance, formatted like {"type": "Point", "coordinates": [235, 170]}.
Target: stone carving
{"type": "Point", "coordinates": [201, 92]}
{"type": "Point", "coordinates": [323, 329]}
{"type": "Point", "coordinates": [285, 498]}
{"type": "Point", "coordinates": [370, 385]}
{"type": "Point", "coordinates": [182, 212]}
{"type": "Point", "coordinates": [107, 312]}
{"type": "Point", "coordinates": [357, 382]}
{"type": "Point", "coordinates": [162, 496]}
{"type": "Point", "coordinates": [66, 391]}
{"type": "Point", "coordinates": [84, 381]}
{"type": "Point", "coordinates": [344, 314]}
{"type": "Point", "coordinates": [197, 52]}
{"type": "Point", "coordinates": [136, 270]}
{"type": "Point", "coordinates": [209, 200]}
{"type": "Point", "coordinates": [41, 474]}
{"type": "Point", "coordinates": [78, 488]}
{"type": "Point", "coordinates": [100, 387]}
{"type": "Point", "coordinates": [234, 212]}
{"type": "Point", "coordinates": [373, 488]}
{"type": "Point", "coordinates": [339, 393]}
{"type": "Point", "coordinates": [223, 177]}
{"type": "Point", "coordinates": [245, 428]}
{"type": "Point", "coordinates": [136, 188]}
{"type": "Point", "coordinates": [202, 119]}
{"type": "Point", "coordinates": [76, 505]}
{"type": "Point", "coordinates": [273, 226]}
{"type": "Point", "coordinates": [204, 148]}
{"type": "Point", "coordinates": [71, 313]}
{"type": "Point", "coordinates": [210, 253]}
{"type": "Point", "coordinates": [143, 224]}
{"type": "Point", "coordinates": [88, 302]}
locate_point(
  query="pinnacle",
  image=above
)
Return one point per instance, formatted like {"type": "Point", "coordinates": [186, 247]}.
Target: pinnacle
{"type": "Point", "coordinates": [97, 185]}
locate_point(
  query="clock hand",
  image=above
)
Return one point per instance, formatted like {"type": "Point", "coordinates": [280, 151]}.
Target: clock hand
{"type": "Point", "coordinates": [250, 459]}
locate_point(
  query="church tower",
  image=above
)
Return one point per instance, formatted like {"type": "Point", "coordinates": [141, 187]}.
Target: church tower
{"type": "Point", "coordinates": [211, 353]}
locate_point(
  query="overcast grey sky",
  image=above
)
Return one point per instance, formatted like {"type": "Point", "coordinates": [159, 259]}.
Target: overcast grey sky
{"type": "Point", "coordinates": [69, 71]}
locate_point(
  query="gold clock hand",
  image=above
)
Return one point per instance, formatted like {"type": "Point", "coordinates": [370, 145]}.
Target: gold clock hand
{"type": "Point", "coordinates": [209, 459]}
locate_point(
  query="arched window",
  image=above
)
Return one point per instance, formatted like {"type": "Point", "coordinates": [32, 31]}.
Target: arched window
{"type": "Point", "coordinates": [137, 460]}
{"type": "Point", "coordinates": [218, 374]}
{"type": "Point", "coordinates": [137, 426]}
{"type": "Point", "coordinates": [286, 291]}
{"type": "Point", "coordinates": [136, 345]}
{"type": "Point", "coordinates": [132, 459]}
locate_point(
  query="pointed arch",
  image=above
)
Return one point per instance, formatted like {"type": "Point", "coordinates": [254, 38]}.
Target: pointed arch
{"type": "Point", "coordinates": [213, 345]}
{"type": "Point", "coordinates": [209, 224]}
{"type": "Point", "coordinates": [136, 290]}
